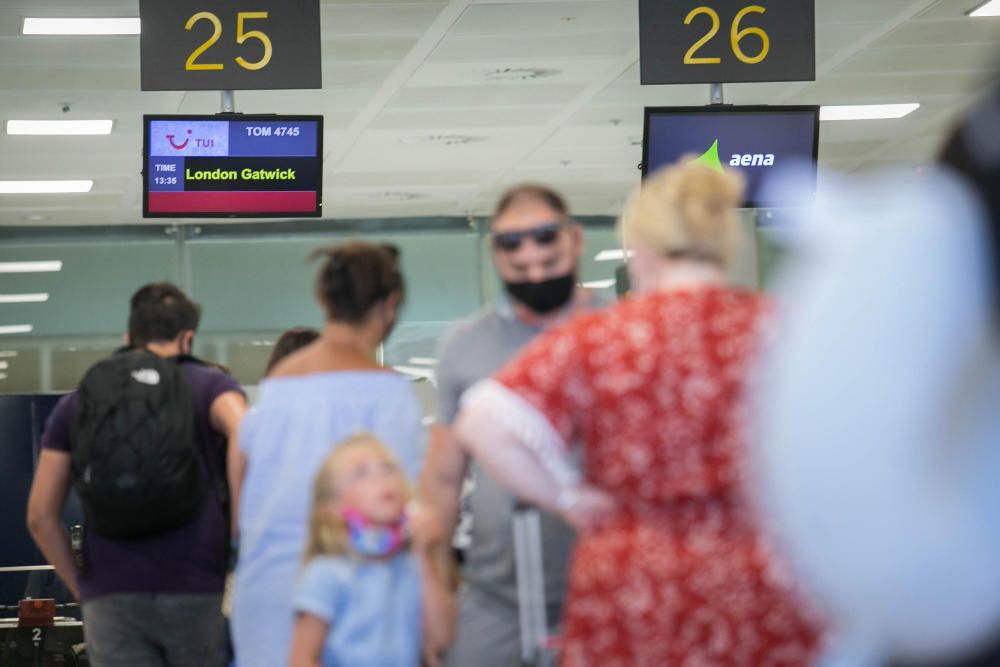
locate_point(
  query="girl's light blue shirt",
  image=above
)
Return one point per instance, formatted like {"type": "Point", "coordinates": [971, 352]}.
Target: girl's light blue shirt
{"type": "Point", "coordinates": [373, 608]}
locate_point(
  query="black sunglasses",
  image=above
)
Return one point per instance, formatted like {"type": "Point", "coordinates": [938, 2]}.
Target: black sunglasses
{"type": "Point", "coordinates": [542, 235]}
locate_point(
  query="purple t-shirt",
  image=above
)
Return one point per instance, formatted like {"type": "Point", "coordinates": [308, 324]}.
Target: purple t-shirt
{"type": "Point", "coordinates": [190, 559]}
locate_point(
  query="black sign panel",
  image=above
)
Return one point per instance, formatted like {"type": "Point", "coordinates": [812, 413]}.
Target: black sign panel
{"type": "Point", "coordinates": [726, 41]}
{"type": "Point", "coordinates": [230, 44]}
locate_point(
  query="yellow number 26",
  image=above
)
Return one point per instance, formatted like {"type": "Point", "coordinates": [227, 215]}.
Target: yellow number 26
{"type": "Point", "coordinates": [735, 37]}
{"type": "Point", "coordinates": [241, 37]}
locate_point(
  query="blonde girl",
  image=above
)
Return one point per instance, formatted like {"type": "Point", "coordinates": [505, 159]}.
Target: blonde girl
{"type": "Point", "coordinates": [370, 593]}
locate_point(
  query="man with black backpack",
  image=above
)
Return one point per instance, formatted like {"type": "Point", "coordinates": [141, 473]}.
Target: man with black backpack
{"type": "Point", "coordinates": [144, 442]}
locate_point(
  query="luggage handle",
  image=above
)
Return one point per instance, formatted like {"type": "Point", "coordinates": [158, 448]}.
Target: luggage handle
{"type": "Point", "coordinates": [535, 642]}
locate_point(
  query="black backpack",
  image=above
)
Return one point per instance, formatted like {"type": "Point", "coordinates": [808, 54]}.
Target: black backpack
{"type": "Point", "coordinates": [135, 463]}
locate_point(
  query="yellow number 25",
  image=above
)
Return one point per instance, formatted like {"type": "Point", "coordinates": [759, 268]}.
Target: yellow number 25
{"type": "Point", "coordinates": [241, 37]}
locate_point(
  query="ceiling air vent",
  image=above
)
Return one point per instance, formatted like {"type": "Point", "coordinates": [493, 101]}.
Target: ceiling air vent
{"type": "Point", "coordinates": [443, 139]}
{"type": "Point", "coordinates": [521, 73]}
{"type": "Point", "coordinates": [396, 195]}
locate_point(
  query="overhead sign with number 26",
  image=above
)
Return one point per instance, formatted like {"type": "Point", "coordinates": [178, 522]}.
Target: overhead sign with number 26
{"type": "Point", "coordinates": [230, 44]}
{"type": "Point", "coordinates": [726, 41]}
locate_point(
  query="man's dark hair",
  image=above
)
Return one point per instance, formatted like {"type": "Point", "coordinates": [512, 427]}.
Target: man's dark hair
{"type": "Point", "coordinates": [531, 191]}
{"type": "Point", "coordinates": [159, 312]}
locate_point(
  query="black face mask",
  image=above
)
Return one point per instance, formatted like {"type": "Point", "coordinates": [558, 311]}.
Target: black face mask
{"type": "Point", "coordinates": [546, 296]}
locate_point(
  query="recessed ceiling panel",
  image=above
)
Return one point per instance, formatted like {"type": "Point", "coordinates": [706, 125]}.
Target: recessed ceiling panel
{"type": "Point", "coordinates": [934, 33]}
{"type": "Point", "coordinates": [960, 58]}
{"type": "Point", "coordinates": [474, 97]}
{"type": "Point", "coordinates": [371, 18]}
{"type": "Point", "coordinates": [448, 119]}
{"type": "Point", "coordinates": [507, 72]}
{"type": "Point", "coordinates": [548, 18]}
{"type": "Point", "coordinates": [555, 46]}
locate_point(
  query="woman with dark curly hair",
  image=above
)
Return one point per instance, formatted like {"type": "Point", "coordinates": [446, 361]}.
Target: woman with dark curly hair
{"type": "Point", "coordinates": [312, 399]}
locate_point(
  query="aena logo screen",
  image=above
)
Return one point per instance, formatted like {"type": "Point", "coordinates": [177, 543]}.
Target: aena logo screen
{"type": "Point", "coordinates": [753, 141]}
{"type": "Point", "coordinates": [204, 166]}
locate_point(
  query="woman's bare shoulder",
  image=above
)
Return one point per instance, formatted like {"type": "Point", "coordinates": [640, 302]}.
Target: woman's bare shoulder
{"type": "Point", "coordinates": [317, 358]}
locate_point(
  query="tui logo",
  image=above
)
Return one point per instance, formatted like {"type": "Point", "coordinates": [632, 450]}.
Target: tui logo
{"type": "Point", "coordinates": [182, 145]}
{"type": "Point", "coordinates": [200, 143]}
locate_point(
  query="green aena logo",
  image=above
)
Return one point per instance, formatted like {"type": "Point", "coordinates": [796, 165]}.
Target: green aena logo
{"type": "Point", "coordinates": [711, 159]}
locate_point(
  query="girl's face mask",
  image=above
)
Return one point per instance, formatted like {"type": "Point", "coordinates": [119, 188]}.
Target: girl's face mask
{"type": "Point", "coordinates": [372, 540]}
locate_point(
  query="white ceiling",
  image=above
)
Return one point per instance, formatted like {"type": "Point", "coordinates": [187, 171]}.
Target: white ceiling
{"type": "Point", "coordinates": [406, 80]}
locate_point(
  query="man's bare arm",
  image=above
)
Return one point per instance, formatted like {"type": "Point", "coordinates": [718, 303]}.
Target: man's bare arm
{"type": "Point", "coordinates": [45, 506]}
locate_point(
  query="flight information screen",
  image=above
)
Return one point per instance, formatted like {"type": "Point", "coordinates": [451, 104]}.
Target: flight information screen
{"type": "Point", "coordinates": [232, 166]}
{"type": "Point", "coordinates": [755, 141]}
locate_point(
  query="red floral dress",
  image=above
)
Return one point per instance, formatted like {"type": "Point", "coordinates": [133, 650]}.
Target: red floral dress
{"type": "Point", "coordinates": [653, 389]}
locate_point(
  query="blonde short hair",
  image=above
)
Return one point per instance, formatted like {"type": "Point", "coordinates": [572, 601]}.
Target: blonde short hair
{"type": "Point", "coordinates": [328, 535]}
{"type": "Point", "coordinates": [686, 210]}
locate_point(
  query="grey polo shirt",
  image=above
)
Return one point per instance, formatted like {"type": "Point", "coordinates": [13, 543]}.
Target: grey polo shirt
{"type": "Point", "coordinates": [473, 351]}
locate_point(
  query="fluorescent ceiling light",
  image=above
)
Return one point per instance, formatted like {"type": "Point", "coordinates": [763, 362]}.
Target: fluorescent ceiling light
{"type": "Point", "coordinates": [59, 127]}
{"type": "Point", "coordinates": [612, 255]}
{"type": "Point", "coordinates": [31, 267]}
{"type": "Point", "coordinates": [867, 111]}
{"type": "Point", "coordinates": [24, 298]}
{"type": "Point", "coordinates": [423, 361]}
{"type": "Point", "coordinates": [991, 8]}
{"type": "Point", "coordinates": [15, 328]}
{"type": "Point", "coordinates": [7, 354]}
{"type": "Point", "coordinates": [3, 376]}
{"type": "Point", "coordinates": [44, 187]}
{"type": "Point", "coordinates": [4, 365]}
{"type": "Point", "coordinates": [599, 284]}
{"type": "Point", "coordinates": [80, 26]}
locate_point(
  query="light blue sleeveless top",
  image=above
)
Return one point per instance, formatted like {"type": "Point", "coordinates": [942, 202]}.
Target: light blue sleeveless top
{"type": "Point", "coordinates": [296, 422]}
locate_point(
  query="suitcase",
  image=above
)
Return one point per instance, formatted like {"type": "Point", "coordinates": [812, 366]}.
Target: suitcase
{"type": "Point", "coordinates": [538, 649]}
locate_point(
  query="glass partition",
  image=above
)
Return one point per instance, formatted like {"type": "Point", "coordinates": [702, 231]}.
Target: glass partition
{"type": "Point", "coordinates": [253, 280]}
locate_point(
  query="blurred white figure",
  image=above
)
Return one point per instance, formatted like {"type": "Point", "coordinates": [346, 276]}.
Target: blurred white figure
{"type": "Point", "coordinates": [880, 416]}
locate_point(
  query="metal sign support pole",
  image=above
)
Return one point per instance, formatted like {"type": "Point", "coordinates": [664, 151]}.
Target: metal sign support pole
{"type": "Point", "coordinates": [716, 94]}
{"type": "Point", "coordinates": [228, 101]}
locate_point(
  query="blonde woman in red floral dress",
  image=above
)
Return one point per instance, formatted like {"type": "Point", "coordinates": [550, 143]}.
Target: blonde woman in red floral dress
{"type": "Point", "coordinates": [670, 568]}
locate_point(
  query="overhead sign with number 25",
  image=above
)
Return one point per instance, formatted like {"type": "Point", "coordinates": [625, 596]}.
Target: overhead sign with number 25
{"type": "Point", "coordinates": [726, 41]}
{"type": "Point", "coordinates": [230, 44]}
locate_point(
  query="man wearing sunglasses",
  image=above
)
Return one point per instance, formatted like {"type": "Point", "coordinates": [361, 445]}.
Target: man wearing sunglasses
{"type": "Point", "coordinates": [536, 248]}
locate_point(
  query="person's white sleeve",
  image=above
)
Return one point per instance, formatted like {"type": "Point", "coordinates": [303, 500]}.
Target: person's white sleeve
{"type": "Point", "coordinates": [876, 423]}
{"type": "Point", "coordinates": [527, 426]}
